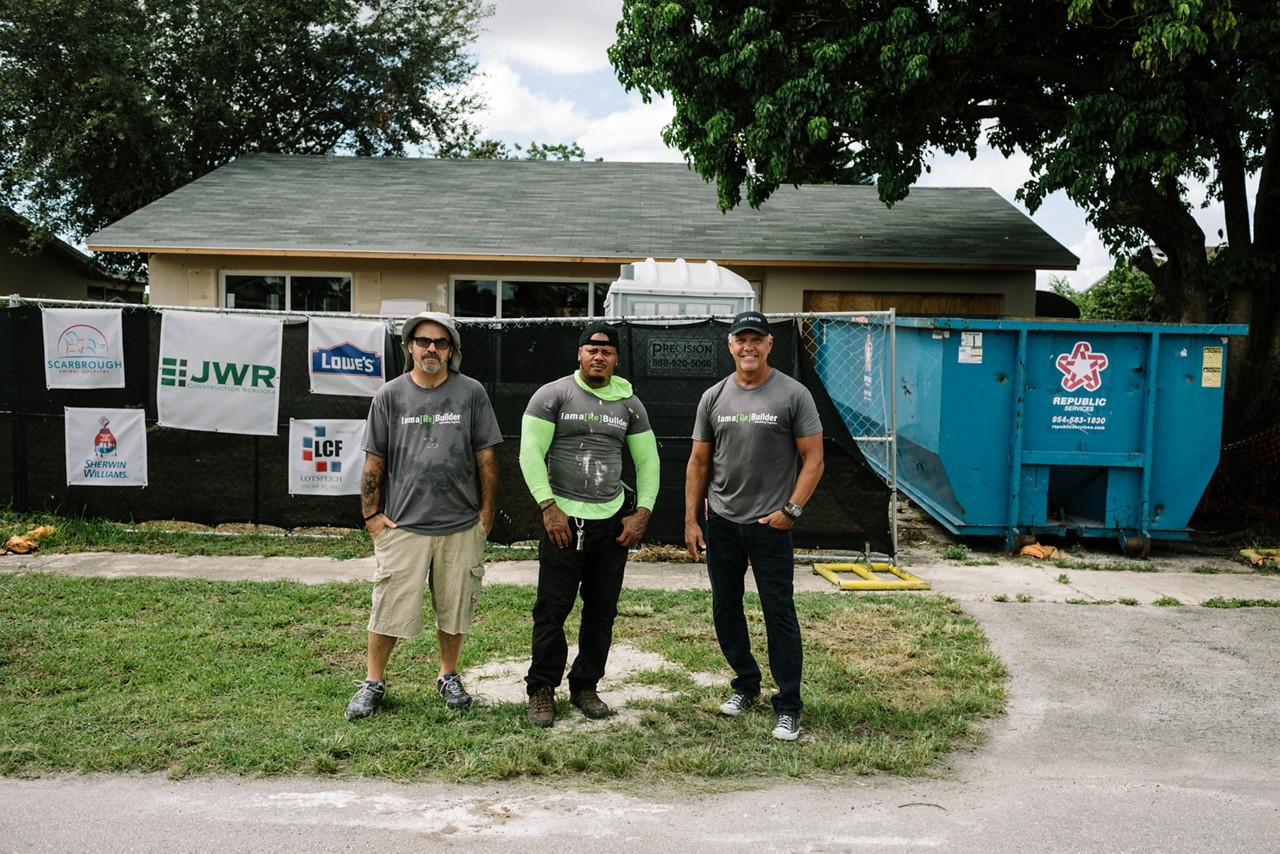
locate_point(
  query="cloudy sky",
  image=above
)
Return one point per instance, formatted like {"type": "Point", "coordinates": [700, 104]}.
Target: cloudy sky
{"type": "Point", "coordinates": [547, 79]}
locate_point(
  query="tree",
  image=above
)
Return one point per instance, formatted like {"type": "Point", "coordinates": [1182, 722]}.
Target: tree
{"type": "Point", "coordinates": [493, 149]}
{"type": "Point", "coordinates": [1121, 105]}
{"type": "Point", "coordinates": [1124, 293]}
{"type": "Point", "coordinates": [107, 106]}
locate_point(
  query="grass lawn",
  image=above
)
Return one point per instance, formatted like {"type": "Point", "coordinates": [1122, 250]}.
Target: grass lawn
{"type": "Point", "coordinates": [203, 677]}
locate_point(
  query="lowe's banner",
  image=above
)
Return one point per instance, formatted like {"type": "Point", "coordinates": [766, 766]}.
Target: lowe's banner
{"type": "Point", "coordinates": [345, 355]}
{"type": "Point", "coordinates": [325, 457]}
{"type": "Point", "coordinates": [219, 373]}
{"type": "Point", "coordinates": [83, 348]}
{"type": "Point", "coordinates": [106, 447]}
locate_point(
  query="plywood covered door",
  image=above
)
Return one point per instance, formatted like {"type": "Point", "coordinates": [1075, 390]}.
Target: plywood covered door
{"type": "Point", "coordinates": [904, 303]}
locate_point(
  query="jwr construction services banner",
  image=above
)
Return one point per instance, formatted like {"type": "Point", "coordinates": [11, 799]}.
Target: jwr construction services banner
{"type": "Point", "coordinates": [219, 373]}
{"type": "Point", "coordinates": [83, 348]}
{"type": "Point", "coordinates": [345, 356]}
{"type": "Point", "coordinates": [106, 447]}
{"type": "Point", "coordinates": [325, 457]}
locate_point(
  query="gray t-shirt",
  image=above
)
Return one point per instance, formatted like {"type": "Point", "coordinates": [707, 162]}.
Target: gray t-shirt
{"type": "Point", "coordinates": [753, 434]}
{"type": "Point", "coordinates": [584, 462]}
{"type": "Point", "coordinates": [429, 438]}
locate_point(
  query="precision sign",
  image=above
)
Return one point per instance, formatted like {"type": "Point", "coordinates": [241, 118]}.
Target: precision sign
{"type": "Point", "coordinates": [680, 358]}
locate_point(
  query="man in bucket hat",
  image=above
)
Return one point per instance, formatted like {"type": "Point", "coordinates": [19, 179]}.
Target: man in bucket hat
{"type": "Point", "coordinates": [571, 441]}
{"type": "Point", "coordinates": [428, 493]}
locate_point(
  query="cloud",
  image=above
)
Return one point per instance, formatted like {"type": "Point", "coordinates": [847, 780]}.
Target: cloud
{"type": "Point", "coordinates": [516, 114]}
{"type": "Point", "coordinates": [555, 36]}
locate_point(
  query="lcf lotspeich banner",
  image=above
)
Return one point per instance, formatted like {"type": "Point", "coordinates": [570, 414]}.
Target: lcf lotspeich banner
{"type": "Point", "coordinates": [106, 447]}
{"type": "Point", "coordinates": [219, 373]}
{"type": "Point", "coordinates": [345, 355]}
{"type": "Point", "coordinates": [325, 457]}
{"type": "Point", "coordinates": [83, 348]}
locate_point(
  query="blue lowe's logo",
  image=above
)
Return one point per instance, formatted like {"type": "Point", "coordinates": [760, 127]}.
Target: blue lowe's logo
{"type": "Point", "coordinates": [346, 359]}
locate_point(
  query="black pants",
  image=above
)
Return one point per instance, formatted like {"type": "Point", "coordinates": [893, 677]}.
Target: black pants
{"type": "Point", "coordinates": [595, 572]}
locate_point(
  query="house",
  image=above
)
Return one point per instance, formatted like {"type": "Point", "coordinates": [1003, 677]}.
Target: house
{"type": "Point", "coordinates": [58, 271]}
{"type": "Point", "coordinates": [512, 238]}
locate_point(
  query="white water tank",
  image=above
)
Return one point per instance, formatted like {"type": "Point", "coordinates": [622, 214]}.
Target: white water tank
{"type": "Point", "coordinates": [678, 289]}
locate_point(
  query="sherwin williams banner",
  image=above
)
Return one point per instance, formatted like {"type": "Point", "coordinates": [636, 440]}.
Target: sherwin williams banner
{"type": "Point", "coordinates": [219, 373]}
{"type": "Point", "coordinates": [325, 457]}
{"type": "Point", "coordinates": [345, 356]}
{"type": "Point", "coordinates": [83, 348]}
{"type": "Point", "coordinates": [106, 447]}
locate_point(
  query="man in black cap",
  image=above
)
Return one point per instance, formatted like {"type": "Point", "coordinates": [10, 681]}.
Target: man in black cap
{"type": "Point", "coordinates": [571, 442]}
{"type": "Point", "coordinates": [749, 430]}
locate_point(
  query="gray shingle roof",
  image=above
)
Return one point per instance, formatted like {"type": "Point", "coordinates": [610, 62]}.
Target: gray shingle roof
{"type": "Point", "coordinates": [270, 203]}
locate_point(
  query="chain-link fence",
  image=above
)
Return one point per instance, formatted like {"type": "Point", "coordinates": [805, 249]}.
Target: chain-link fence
{"type": "Point", "coordinates": [216, 477]}
{"type": "Point", "coordinates": [853, 357]}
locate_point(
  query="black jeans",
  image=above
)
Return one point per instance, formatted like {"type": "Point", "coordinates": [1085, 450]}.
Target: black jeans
{"type": "Point", "coordinates": [595, 572]}
{"type": "Point", "coordinates": [729, 546]}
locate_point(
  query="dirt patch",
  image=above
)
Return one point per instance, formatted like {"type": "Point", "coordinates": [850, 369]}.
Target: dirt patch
{"type": "Point", "coordinates": [503, 682]}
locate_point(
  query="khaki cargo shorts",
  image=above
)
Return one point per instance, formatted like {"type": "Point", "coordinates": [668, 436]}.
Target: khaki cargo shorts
{"type": "Point", "coordinates": [451, 566]}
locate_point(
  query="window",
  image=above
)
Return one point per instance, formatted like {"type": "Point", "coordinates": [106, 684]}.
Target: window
{"type": "Point", "coordinates": [287, 292]}
{"type": "Point", "coordinates": [527, 298]}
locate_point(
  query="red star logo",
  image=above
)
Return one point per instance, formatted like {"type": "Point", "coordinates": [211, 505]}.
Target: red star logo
{"type": "Point", "coordinates": [1082, 367]}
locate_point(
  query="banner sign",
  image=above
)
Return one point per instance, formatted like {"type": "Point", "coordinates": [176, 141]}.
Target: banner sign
{"type": "Point", "coordinates": [106, 447]}
{"type": "Point", "coordinates": [83, 348]}
{"type": "Point", "coordinates": [219, 373]}
{"type": "Point", "coordinates": [345, 356]}
{"type": "Point", "coordinates": [325, 457]}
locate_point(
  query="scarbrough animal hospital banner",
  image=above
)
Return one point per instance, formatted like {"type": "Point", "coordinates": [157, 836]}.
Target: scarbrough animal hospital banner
{"type": "Point", "coordinates": [325, 457]}
{"type": "Point", "coordinates": [345, 356]}
{"type": "Point", "coordinates": [83, 348]}
{"type": "Point", "coordinates": [219, 373]}
{"type": "Point", "coordinates": [106, 447]}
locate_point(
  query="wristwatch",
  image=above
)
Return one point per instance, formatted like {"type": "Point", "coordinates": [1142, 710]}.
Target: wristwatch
{"type": "Point", "coordinates": [792, 511]}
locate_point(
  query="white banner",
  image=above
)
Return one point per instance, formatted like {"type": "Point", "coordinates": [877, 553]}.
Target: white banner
{"type": "Point", "coordinates": [345, 356]}
{"type": "Point", "coordinates": [219, 373]}
{"type": "Point", "coordinates": [106, 447]}
{"type": "Point", "coordinates": [83, 348]}
{"type": "Point", "coordinates": [325, 457]}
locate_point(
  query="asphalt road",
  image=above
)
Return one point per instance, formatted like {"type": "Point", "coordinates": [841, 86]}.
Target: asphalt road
{"type": "Point", "coordinates": [1129, 728]}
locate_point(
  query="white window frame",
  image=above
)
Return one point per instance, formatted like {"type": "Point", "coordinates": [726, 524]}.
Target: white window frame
{"type": "Point", "coordinates": [288, 276]}
{"type": "Point", "coordinates": [593, 310]}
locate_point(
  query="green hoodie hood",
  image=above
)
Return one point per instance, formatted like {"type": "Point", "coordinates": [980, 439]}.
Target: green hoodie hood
{"type": "Point", "coordinates": [617, 388]}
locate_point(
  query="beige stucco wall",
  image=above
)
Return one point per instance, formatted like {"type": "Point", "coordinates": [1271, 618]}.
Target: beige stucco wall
{"type": "Point", "coordinates": [45, 275]}
{"type": "Point", "coordinates": [194, 279]}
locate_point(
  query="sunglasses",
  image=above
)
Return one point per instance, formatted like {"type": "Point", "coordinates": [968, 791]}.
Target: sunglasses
{"type": "Point", "coordinates": [425, 343]}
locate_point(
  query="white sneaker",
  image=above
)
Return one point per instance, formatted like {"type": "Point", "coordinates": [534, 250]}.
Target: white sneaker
{"type": "Point", "coordinates": [787, 728]}
{"type": "Point", "coordinates": [737, 703]}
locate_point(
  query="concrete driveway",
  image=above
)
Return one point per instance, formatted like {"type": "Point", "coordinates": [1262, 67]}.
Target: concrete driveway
{"type": "Point", "coordinates": [1130, 728]}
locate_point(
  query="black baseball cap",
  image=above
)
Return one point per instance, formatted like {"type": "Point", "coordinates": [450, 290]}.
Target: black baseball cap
{"type": "Point", "coordinates": [750, 320]}
{"type": "Point", "coordinates": [599, 327]}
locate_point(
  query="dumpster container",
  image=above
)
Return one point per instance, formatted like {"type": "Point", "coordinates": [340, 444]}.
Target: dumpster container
{"type": "Point", "coordinates": [1021, 427]}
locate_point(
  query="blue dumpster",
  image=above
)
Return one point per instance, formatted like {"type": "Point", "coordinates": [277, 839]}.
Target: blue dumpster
{"type": "Point", "coordinates": [1016, 428]}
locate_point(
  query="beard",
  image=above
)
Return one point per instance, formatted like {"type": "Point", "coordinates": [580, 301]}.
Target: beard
{"type": "Point", "coordinates": [429, 365]}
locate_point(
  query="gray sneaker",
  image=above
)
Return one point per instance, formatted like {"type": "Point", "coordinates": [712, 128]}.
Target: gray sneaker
{"type": "Point", "coordinates": [366, 700]}
{"type": "Point", "coordinates": [736, 703]}
{"type": "Point", "coordinates": [450, 687]}
{"type": "Point", "coordinates": [787, 728]}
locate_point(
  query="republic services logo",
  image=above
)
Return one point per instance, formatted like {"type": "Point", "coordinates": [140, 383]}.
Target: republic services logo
{"type": "Point", "coordinates": [1082, 368]}
{"type": "Point", "coordinates": [324, 453]}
